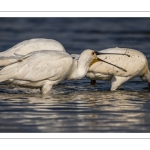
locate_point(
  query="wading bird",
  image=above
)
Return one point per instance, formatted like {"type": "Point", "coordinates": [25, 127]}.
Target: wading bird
{"type": "Point", "coordinates": [43, 69]}
{"type": "Point", "coordinates": [135, 65]}
{"type": "Point", "coordinates": [28, 46]}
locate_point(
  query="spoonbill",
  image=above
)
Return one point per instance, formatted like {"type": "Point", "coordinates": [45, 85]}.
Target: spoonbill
{"type": "Point", "coordinates": [28, 46]}
{"type": "Point", "coordinates": [43, 69]}
{"type": "Point", "coordinates": [135, 65]}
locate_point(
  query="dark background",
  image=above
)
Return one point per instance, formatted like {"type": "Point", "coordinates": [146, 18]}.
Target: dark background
{"type": "Point", "coordinates": [77, 34]}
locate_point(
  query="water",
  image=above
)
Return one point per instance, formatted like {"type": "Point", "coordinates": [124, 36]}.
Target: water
{"type": "Point", "coordinates": [75, 106]}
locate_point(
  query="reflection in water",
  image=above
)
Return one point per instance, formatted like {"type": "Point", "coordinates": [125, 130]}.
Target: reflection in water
{"type": "Point", "coordinates": [74, 109]}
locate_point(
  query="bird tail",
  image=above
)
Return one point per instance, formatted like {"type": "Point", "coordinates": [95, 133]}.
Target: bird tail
{"type": "Point", "coordinates": [6, 73]}
{"type": "Point", "coordinates": [145, 74]}
{"type": "Point", "coordinates": [4, 77]}
{"type": "Point", "coordinates": [4, 61]}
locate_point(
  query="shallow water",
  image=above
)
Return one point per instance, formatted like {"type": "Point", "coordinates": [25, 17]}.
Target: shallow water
{"type": "Point", "coordinates": [75, 106]}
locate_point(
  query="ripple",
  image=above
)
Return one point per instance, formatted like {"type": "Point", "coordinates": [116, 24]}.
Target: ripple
{"type": "Point", "coordinates": [75, 106]}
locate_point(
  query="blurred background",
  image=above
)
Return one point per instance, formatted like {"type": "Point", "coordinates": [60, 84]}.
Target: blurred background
{"type": "Point", "coordinates": [77, 34]}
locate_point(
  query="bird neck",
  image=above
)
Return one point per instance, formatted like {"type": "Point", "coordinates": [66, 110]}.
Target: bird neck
{"type": "Point", "coordinates": [79, 69]}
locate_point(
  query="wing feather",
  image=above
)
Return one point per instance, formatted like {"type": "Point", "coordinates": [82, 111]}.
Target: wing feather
{"type": "Point", "coordinates": [36, 44]}
{"type": "Point", "coordinates": [39, 66]}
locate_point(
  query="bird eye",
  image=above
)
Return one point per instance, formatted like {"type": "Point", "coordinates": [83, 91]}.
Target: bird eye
{"type": "Point", "coordinates": [93, 53]}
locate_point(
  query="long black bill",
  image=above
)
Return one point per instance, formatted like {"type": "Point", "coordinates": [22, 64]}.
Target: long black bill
{"type": "Point", "coordinates": [99, 53]}
{"type": "Point", "coordinates": [113, 65]}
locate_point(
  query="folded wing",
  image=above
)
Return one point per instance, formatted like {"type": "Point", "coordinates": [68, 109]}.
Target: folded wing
{"type": "Point", "coordinates": [38, 66]}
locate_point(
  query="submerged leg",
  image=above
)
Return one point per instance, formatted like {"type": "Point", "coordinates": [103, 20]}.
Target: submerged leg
{"type": "Point", "coordinates": [146, 78]}
{"type": "Point", "coordinates": [121, 87]}
{"type": "Point", "coordinates": [93, 82]}
{"type": "Point", "coordinates": [117, 81]}
{"type": "Point", "coordinates": [148, 86]}
{"type": "Point", "coordinates": [46, 88]}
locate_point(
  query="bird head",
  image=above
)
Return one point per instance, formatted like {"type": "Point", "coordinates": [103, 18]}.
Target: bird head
{"type": "Point", "coordinates": [95, 58]}
{"type": "Point", "coordinates": [89, 57]}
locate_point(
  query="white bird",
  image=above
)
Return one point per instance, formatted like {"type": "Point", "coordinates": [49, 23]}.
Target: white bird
{"type": "Point", "coordinates": [27, 46]}
{"type": "Point", "coordinates": [135, 65]}
{"type": "Point", "coordinates": [43, 69]}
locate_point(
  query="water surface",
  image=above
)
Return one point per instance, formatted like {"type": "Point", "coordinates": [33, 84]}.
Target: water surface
{"type": "Point", "coordinates": [75, 106]}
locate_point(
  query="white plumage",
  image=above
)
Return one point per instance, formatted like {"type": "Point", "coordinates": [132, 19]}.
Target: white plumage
{"type": "Point", "coordinates": [27, 46]}
{"type": "Point", "coordinates": [135, 65]}
{"type": "Point", "coordinates": [43, 69]}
